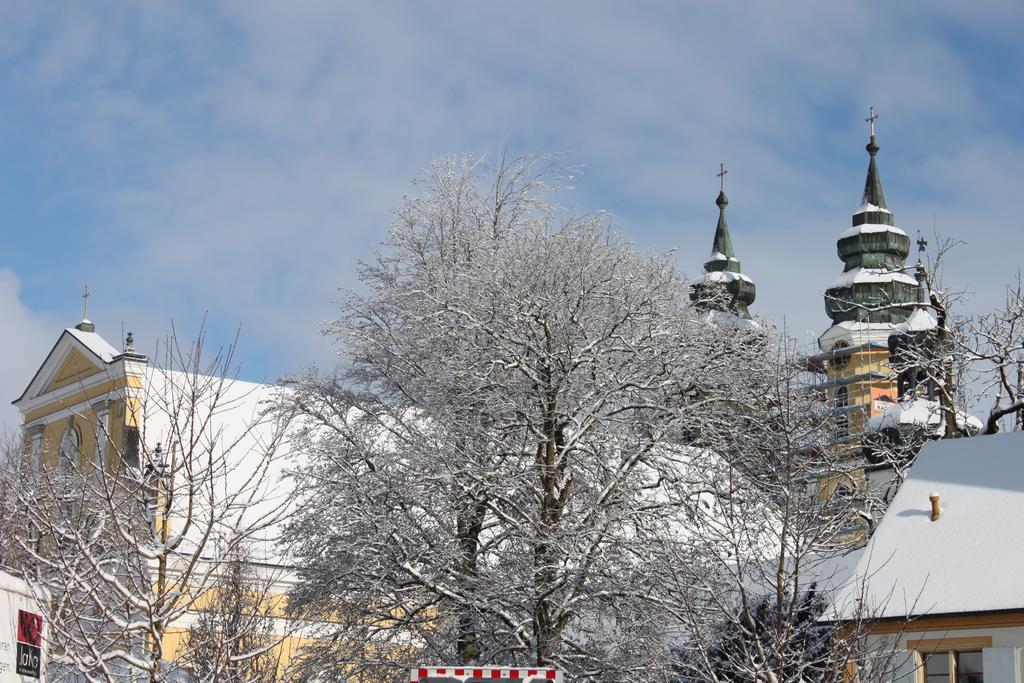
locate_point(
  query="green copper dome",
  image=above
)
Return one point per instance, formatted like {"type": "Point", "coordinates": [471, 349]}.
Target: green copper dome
{"type": "Point", "coordinates": [873, 287]}
{"type": "Point", "coordinates": [723, 258]}
{"type": "Point", "coordinates": [724, 287]}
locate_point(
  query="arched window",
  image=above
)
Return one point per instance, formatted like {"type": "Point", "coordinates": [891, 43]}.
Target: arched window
{"type": "Point", "coordinates": [68, 459]}
{"type": "Point", "coordinates": [840, 360]}
{"type": "Point", "coordinates": [842, 418]}
{"type": "Point", "coordinates": [70, 445]}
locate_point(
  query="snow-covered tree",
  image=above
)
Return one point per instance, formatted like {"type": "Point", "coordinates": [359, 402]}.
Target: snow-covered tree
{"type": "Point", "coordinates": [509, 439]}
{"type": "Point", "coordinates": [768, 545]}
{"type": "Point", "coordinates": [998, 348]}
{"type": "Point", "coordinates": [122, 550]}
{"type": "Point", "coordinates": [947, 365]}
{"type": "Point", "coordinates": [232, 638]}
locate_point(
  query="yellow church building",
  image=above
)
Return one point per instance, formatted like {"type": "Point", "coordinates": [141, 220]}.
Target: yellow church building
{"type": "Point", "coordinates": [197, 456]}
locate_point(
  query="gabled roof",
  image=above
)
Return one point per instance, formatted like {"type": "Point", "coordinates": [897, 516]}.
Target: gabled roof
{"type": "Point", "coordinates": [95, 343]}
{"type": "Point", "coordinates": [967, 561]}
{"type": "Point", "coordinates": [91, 344]}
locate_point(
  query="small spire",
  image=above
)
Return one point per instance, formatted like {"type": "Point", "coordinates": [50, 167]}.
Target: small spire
{"type": "Point", "coordinates": [129, 343]}
{"type": "Point", "coordinates": [722, 269]}
{"type": "Point", "coordinates": [873, 194]}
{"type": "Point", "coordinates": [86, 324]}
{"type": "Point", "coordinates": [922, 244]}
{"type": "Point", "coordinates": [722, 255]}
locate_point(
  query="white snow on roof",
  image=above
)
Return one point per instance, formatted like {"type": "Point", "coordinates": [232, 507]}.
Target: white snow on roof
{"type": "Point", "coordinates": [861, 275]}
{"type": "Point", "coordinates": [919, 412]}
{"type": "Point", "coordinates": [870, 227]}
{"type": "Point", "coordinates": [725, 276]}
{"type": "Point", "coordinates": [241, 432]}
{"type": "Point", "coordinates": [854, 333]}
{"type": "Point", "coordinates": [868, 206]}
{"type": "Point", "coordinates": [95, 343]}
{"type": "Point", "coordinates": [921, 319]}
{"type": "Point", "coordinates": [970, 559]}
{"type": "Point", "coordinates": [729, 320]}
{"type": "Point", "coordinates": [719, 256]}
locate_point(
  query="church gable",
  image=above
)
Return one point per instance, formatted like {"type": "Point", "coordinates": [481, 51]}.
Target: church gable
{"type": "Point", "coordinates": [77, 357]}
{"type": "Point", "coordinates": [75, 367]}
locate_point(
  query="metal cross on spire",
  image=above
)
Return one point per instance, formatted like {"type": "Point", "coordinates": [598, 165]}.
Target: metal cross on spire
{"type": "Point", "coordinates": [922, 243]}
{"type": "Point", "coordinates": [721, 177]}
{"type": "Point", "coordinates": [85, 302]}
{"type": "Point", "coordinates": [872, 116]}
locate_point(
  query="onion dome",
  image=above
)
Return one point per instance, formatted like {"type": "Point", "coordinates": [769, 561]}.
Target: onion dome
{"type": "Point", "coordinates": [872, 288]}
{"type": "Point", "coordinates": [724, 287]}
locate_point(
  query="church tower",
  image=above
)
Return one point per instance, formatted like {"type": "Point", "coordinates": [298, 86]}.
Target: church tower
{"type": "Point", "coordinates": [724, 287]}
{"type": "Point", "coordinates": [871, 296]}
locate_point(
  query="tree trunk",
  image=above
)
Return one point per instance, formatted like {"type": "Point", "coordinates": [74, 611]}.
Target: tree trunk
{"type": "Point", "coordinates": [470, 525]}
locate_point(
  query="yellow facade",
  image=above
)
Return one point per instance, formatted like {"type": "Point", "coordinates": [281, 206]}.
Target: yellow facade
{"type": "Point", "coordinates": [79, 401]}
{"type": "Point", "coordinates": [865, 377]}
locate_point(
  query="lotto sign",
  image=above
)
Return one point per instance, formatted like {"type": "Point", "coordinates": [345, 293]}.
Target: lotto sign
{"type": "Point", "coordinates": [30, 641]}
{"type": "Point", "coordinates": [22, 641]}
{"type": "Point", "coordinates": [483, 675]}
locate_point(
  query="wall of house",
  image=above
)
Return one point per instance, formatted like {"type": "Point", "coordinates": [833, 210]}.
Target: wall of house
{"type": "Point", "coordinates": [1000, 638]}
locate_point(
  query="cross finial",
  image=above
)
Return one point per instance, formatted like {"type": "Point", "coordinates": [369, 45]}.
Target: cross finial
{"type": "Point", "coordinates": [721, 177]}
{"type": "Point", "coordinates": [85, 302]}
{"type": "Point", "coordinates": [872, 116]}
{"type": "Point", "coordinates": [922, 243]}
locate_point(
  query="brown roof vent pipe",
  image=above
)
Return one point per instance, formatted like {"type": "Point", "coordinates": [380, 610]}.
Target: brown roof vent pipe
{"type": "Point", "coordinates": [936, 510]}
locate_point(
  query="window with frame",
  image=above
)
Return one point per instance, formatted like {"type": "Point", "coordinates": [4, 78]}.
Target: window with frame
{"type": "Point", "coordinates": [953, 666]}
{"type": "Point", "coordinates": [840, 361]}
{"type": "Point", "coordinates": [951, 660]}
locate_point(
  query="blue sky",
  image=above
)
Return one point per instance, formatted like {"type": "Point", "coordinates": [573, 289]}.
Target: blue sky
{"type": "Point", "coordinates": [238, 159]}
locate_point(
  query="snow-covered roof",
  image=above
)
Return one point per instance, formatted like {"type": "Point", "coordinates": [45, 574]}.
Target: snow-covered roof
{"type": "Point", "coordinates": [919, 412]}
{"type": "Point", "coordinates": [719, 256]}
{"type": "Point", "coordinates": [921, 319]}
{"type": "Point", "coordinates": [248, 444]}
{"type": "Point", "coordinates": [95, 343]}
{"type": "Point", "coordinates": [71, 338]}
{"type": "Point", "coordinates": [729, 321]}
{"type": "Point", "coordinates": [868, 206]}
{"type": "Point", "coordinates": [861, 275]}
{"type": "Point", "coordinates": [251, 444]}
{"type": "Point", "coordinates": [970, 559]}
{"type": "Point", "coordinates": [871, 227]}
{"type": "Point", "coordinates": [725, 276]}
{"type": "Point", "coordinates": [853, 333]}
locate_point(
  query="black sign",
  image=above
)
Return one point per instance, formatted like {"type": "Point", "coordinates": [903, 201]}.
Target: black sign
{"type": "Point", "coordinates": [30, 641]}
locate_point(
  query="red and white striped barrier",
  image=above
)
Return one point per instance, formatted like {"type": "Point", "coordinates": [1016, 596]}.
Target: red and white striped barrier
{"type": "Point", "coordinates": [447, 674]}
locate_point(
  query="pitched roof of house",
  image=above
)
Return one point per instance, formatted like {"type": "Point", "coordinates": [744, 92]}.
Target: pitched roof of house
{"type": "Point", "coordinates": [970, 559]}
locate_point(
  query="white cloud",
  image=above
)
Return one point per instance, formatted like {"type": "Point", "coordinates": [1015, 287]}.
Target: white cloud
{"type": "Point", "coordinates": [244, 157]}
{"type": "Point", "coordinates": [27, 338]}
